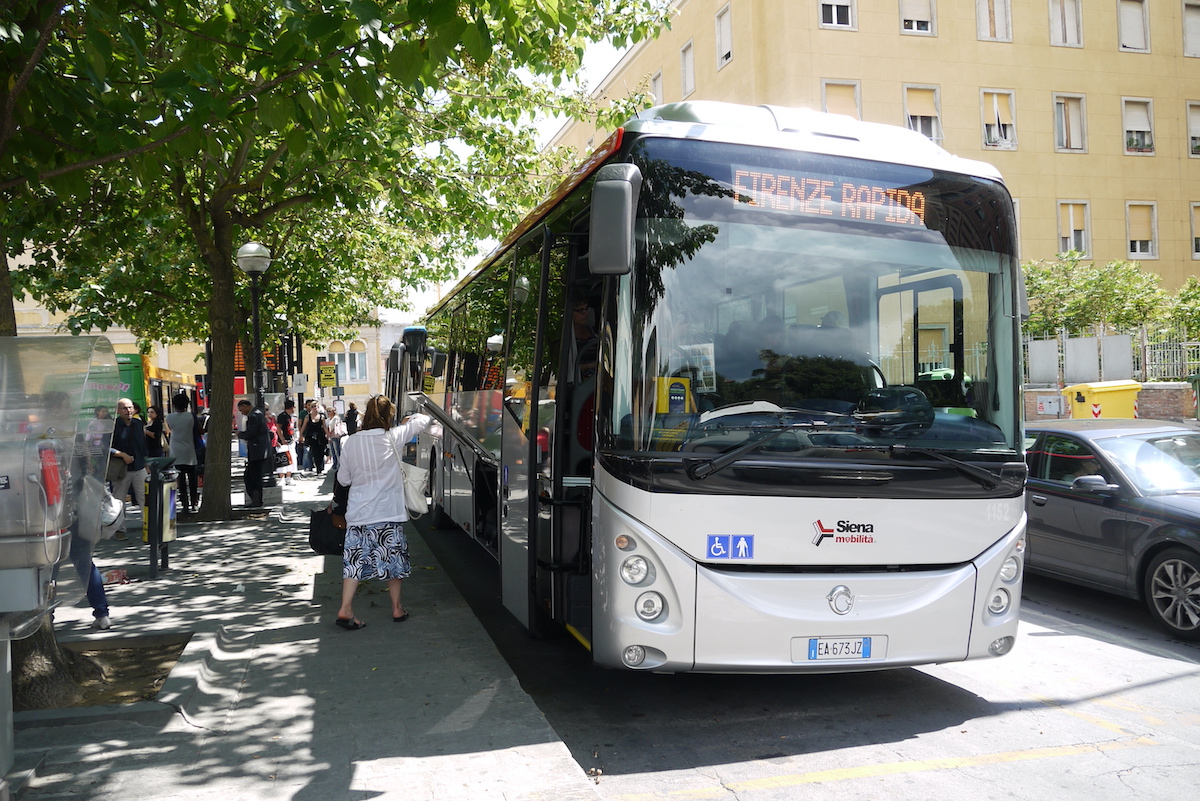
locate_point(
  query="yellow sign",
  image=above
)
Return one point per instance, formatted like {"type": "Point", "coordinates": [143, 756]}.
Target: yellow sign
{"type": "Point", "coordinates": [327, 374]}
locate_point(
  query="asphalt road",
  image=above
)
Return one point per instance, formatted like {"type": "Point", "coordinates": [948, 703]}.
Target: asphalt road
{"type": "Point", "coordinates": [1094, 703]}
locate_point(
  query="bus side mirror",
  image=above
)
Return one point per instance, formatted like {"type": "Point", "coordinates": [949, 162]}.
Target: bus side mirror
{"type": "Point", "coordinates": [614, 207]}
{"type": "Point", "coordinates": [439, 365]}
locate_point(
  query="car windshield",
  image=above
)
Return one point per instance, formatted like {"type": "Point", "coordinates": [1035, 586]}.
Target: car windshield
{"type": "Point", "coordinates": [1158, 463]}
{"type": "Point", "coordinates": [852, 303]}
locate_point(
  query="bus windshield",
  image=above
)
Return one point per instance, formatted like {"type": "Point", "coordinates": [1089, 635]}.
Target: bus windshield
{"type": "Point", "coordinates": [850, 304]}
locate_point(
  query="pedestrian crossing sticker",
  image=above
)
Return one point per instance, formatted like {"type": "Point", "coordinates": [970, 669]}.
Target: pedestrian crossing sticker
{"type": "Point", "coordinates": [730, 546]}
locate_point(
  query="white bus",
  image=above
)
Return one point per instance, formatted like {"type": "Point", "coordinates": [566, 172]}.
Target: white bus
{"type": "Point", "coordinates": [742, 396]}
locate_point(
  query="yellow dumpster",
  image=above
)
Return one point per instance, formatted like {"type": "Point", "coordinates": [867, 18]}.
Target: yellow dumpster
{"type": "Point", "coordinates": [1109, 399]}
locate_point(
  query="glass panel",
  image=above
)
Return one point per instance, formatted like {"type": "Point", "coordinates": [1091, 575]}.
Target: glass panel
{"type": "Point", "coordinates": [776, 288]}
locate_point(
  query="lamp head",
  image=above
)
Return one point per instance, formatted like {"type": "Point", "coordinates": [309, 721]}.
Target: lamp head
{"type": "Point", "coordinates": [253, 258]}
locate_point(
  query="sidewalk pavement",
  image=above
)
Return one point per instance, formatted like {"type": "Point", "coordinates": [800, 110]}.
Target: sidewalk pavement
{"type": "Point", "coordinates": [270, 700]}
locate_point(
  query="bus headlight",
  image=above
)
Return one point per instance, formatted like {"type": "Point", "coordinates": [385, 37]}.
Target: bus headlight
{"type": "Point", "coordinates": [634, 655]}
{"type": "Point", "coordinates": [636, 570]}
{"type": "Point", "coordinates": [1010, 569]}
{"type": "Point", "coordinates": [650, 606]}
{"type": "Point", "coordinates": [999, 602]}
{"type": "Point", "coordinates": [1001, 646]}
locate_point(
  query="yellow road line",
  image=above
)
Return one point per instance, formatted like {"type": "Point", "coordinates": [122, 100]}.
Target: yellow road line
{"type": "Point", "coordinates": [891, 769]}
{"type": "Point", "coordinates": [1101, 722]}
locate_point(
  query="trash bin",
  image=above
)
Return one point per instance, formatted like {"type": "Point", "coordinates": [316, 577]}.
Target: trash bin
{"type": "Point", "coordinates": [1194, 380]}
{"type": "Point", "coordinates": [1103, 399]}
{"type": "Point", "coordinates": [158, 515]}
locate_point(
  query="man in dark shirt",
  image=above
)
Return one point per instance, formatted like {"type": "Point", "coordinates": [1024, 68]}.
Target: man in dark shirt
{"type": "Point", "coordinates": [258, 451]}
{"type": "Point", "coordinates": [129, 445]}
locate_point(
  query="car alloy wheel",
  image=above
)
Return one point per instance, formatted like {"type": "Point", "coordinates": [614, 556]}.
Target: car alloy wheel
{"type": "Point", "coordinates": [1173, 591]}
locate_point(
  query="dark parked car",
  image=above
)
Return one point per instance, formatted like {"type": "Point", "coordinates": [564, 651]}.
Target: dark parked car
{"type": "Point", "coordinates": [1115, 504]}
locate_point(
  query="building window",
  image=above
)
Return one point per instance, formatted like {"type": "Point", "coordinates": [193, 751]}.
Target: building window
{"type": "Point", "coordinates": [1139, 133]}
{"type": "Point", "coordinates": [993, 20]}
{"type": "Point", "coordinates": [1139, 224]}
{"type": "Point", "coordinates": [356, 370]}
{"type": "Point", "coordinates": [1070, 134]}
{"type": "Point", "coordinates": [1196, 230]}
{"type": "Point", "coordinates": [921, 109]}
{"type": "Point", "coordinates": [1193, 123]}
{"type": "Point", "coordinates": [352, 364]}
{"type": "Point", "coordinates": [1073, 227]}
{"type": "Point", "coordinates": [1066, 24]}
{"type": "Point", "coordinates": [688, 65]}
{"type": "Point", "coordinates": [1132, 26]}
{"type": "Point", "coordinates": [916, 16]}
{"type": "Point", "coordinates": [999, 132]}
{"type": "Point", "coordinates": [1191, 29]}
{"type": "Point", "coordinates": [838, 14]}
{"type": "Point", "coordinates": [724, 37]}
{"type": "Point", "coordinates": [842, 98]}
{"type": "Point", "coordinates": [656, 88]}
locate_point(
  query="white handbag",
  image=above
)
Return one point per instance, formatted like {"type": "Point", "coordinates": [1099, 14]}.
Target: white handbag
{"type": "Point", "coordinates": [414, 480]}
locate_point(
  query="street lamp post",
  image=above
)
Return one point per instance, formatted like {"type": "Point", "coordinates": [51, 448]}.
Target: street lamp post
{"type": "Point", "coordinates": [254, 259]}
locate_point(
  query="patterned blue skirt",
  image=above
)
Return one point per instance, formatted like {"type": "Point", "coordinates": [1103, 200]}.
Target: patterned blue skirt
{"type": "Point", "coordinates": [376, 551]}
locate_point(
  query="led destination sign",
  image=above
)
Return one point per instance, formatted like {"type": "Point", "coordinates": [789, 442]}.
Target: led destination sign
{"type": "Point", "coordinates": [797, 193]}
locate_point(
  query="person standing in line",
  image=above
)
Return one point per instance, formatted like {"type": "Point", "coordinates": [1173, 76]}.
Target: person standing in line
{"type": "Point", "coordinates": [156, 432]}
{"type": "Point", "coordinates": [285, 426]}
{"type": "Point", "coordinates": [376, 546]}
{"type": "Point", "coordinates": [183, 449]}
{"type": "Point", "coordinates": [129, 445]}
{"type": "Point", "coordinates": [351, 419]}
{"type": "Point", "coordinates": [314, 438]}
{"type": "Point", "coordinates": [335, 430]}
{"type": "Point", "coordinates": [302, 453]}
{"type": "Point", "coordinates": [258, 452]}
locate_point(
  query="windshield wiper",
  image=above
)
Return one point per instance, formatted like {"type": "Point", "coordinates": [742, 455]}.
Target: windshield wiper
{"type": "Point", "coordinates": [986, 478]}
{"type": "Point", "coordinates": [701, 470]}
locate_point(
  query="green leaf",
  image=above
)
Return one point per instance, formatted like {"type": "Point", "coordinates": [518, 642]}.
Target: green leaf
{"type": "Point", "coordinates": [477, 41]}
{"type": "Point", "coordinates": [323, 25]}
{"type": "Point", "coordinates": [172, 79]}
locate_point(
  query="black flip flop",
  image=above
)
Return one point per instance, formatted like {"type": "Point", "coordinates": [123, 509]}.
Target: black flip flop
{"type": "Point", "coordinates": [350, 625]}
{"type": "Point", "coordinates": [401, 619]}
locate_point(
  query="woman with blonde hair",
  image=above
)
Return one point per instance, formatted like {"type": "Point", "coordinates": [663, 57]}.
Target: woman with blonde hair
{"type": "Point", "coordinates": [376, 546]}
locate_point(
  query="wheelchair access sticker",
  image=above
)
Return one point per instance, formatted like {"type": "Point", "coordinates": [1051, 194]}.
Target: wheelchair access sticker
{"type": "Point", "coordinates": [730, 546]}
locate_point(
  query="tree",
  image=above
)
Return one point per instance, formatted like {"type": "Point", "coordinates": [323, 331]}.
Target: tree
{"type": "Point", "coordinates": [1070, 294]}
{"type": "Point", "coordinates": [362, 144]}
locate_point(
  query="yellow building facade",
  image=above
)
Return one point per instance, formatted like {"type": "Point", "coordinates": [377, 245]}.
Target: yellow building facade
{"type": "Point", "coordinates": [360, 361]}
{"type": "Point", "coordinates": [1090, 110]}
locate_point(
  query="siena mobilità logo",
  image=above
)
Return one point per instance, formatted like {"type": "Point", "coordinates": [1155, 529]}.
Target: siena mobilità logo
{"type": "Point", "coordinates": [844, 532]}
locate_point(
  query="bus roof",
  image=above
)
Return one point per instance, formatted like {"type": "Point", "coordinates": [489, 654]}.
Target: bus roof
{"type": "Point", "coordinates": [803, 129]}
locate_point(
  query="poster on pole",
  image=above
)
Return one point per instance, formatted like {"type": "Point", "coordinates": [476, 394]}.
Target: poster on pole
{"type": "Point", "coordinates": [327, 374]}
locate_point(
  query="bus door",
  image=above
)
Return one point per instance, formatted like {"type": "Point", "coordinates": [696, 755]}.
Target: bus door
{"type": "Point", "coordinates": [519, 433]}
{"type": "Point", "coordinates": [528, 475]}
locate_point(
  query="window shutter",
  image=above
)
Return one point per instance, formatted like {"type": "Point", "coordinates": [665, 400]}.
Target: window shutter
{"type": "Point", "coordinates": [922, 103]}
{"type": "Point", "coordinates": [1137, 115]}
{"type": "Point", "coordinates": [1141, 222]}
{"type": "Point", "coordinates": [1132, 25]}
{"type": "Point", "coordinates": [840, 99]}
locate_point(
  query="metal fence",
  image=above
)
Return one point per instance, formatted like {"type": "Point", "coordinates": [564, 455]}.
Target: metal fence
{"type": "Point", "coordinates": [1162, 353]}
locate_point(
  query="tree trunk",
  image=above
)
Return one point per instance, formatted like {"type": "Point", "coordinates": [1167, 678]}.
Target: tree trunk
{"type": "Point", "coordinates": [8, 314]}
{"type": "Point", "coordinates": [46, 676]}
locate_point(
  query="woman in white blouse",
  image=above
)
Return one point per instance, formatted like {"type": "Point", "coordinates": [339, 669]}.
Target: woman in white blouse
{"type": "Point", "coordinates": [376, 546]}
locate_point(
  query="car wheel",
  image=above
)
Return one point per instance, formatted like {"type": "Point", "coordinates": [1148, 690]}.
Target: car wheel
{"type": "Point", "coordinates": [1173, 591]}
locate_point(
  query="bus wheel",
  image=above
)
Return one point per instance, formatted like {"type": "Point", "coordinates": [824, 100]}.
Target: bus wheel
{"type": "Point", "coordinates": [1173, 592]}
